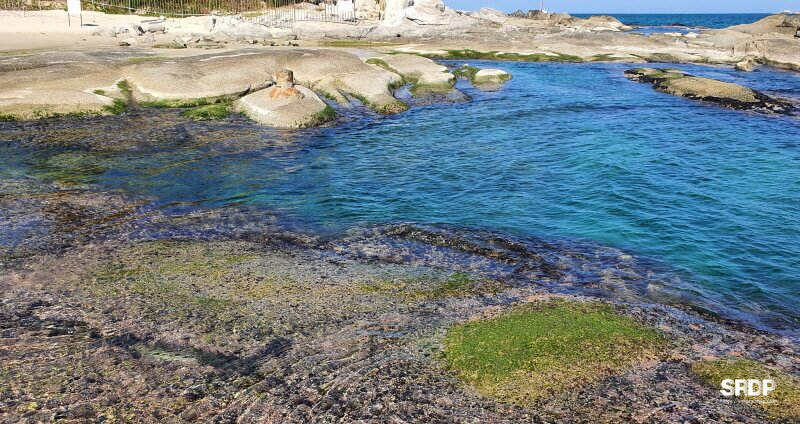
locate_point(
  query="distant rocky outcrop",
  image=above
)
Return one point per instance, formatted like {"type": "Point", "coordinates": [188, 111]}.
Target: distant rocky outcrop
{"type": "Point", "coordinates": [734, 96]}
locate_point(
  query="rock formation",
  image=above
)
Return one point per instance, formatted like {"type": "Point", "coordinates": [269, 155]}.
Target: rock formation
{"type": "Point", "coordinates": [285, 105]}
{"type": "Point", "coordinates": [734, 96]}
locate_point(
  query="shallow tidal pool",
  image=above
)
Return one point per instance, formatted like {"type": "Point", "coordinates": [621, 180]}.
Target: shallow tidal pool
{"type": "Point", "coordinates": [566, 152]}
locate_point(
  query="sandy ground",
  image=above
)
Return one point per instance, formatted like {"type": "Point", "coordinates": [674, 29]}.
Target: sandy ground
{"type": "Point", "coordinates": [53, 29]}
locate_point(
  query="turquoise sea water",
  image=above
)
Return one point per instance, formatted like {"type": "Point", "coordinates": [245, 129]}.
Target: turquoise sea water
{"type": "Point", "coordinates": [564, 152]}
{"type": "Point", "coordinates": [694, 20]}
{"type": "Point", "coordinates": [684, 23]}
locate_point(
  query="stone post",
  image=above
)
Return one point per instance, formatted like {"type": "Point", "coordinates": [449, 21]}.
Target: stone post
{"type": "Point", "coordinates": [284, 78]}
{"type": "Point", "coordinates": [284, 86]}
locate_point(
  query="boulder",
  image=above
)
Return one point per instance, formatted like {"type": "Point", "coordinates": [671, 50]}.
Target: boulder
{"type": "Point", "coordinates": [156, 28]}
{"type": "Point", "coordinates": [44, 92]}
{"type": "Point", "coordinates": [421, 18]}
{"type": "Point", "coordinates": [490, 14]}
{"type": "Point", "coordinates": [284, 107]}
{"type": "Point", "coordinates": [748, 64]}
{"type": "Point", "coordinates": [369, 10]}
{"type": "Point", "coordinates": [209, 24]}
{"type": "Point", "coordinates": [322, 30]}
{"type": "Point", "coordinates": [734, 96]}
{"type": "Point", "coordinates": [104, 32]}
{"type": "Point", "coordinates": [130, 29]}
{"type": "Point", "coordinates": [242, 30]}
{"type": "Point", "coordinates": [774, 24]}
{"type": "Point", "coordinates": [490, 79]}
{"type": "Point", "coordinates": [418, 68]}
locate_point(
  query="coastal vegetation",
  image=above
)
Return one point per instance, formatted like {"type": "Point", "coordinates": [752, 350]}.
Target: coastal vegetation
{"type": "Point", "coordinates": [467, 72]}
{"type": "Point", "coordinates": [184, 103]}
{"type": "Point", "coordinates": [118, 107]}
{"type": "Point", "coordinates": [783, 403]}
{"type": "Point", "coordinates": [392, 108]}
{"type": "Point", "coordinates": [431, 287]}
{"type": "Point", "coordinates": [324, 116]}
{"type": "Point", "coordinates": [145, 59]}
{"type": "Point", "coordinates": [125, 88]}
{"type": "Point", "coordinates": [169, 46]}
{"type": "Point", "coordinates": [208, 112]}
{"type": "Point", "coordinates": [468, 54]}
{"type": "Point", "coordinates": [542, 348]}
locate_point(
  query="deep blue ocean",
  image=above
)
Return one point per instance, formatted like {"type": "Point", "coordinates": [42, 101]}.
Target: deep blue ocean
{"type": "Point", "coordinates": [697, 20]}
{"type": "Point", "coordinates": [650, 23]}
{"type": "Point", "coordinates": [563, 152]}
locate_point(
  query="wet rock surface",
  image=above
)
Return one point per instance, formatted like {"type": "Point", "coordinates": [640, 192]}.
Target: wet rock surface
{"type": "Point", "coordinates": [734, 96]}
{"type": "Point", "coordinates": [112, 310]}
{"type": "Point", "coordinates": [161, 320]}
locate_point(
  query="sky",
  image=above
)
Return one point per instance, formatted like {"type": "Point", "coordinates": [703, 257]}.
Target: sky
{"type": "Point", "coordinates": [628, 6]}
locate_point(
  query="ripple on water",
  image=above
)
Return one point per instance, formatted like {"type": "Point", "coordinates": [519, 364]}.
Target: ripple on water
{"type": "Point", "coordinates": [563, 152]}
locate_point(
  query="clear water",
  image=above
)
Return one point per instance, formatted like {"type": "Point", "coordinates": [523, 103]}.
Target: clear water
{"type": "Point", "coordinates": [684, 23]}
{"type": "Point", "coordinates": [693, 20]}
{"type": "Point", "coordinates": [564, 151]}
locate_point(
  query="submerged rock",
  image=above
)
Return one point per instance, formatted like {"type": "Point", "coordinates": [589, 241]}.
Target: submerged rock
{"type": "Point", "coordinates": [748, 64]}
{"type": "Point", "coordinates": [734, 96]}
{"type": "Point", "coordinates": [484, 79]}
{"type": "Point", "coordinates": [430, 81]}
{"type": "Point", "coordinates": [490, 79]}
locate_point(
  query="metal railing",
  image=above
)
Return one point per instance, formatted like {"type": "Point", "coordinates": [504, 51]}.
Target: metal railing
{"type": "Point", "coordinates": [267, 12]}
{"type": "Point", "coordinates": [23, 6]}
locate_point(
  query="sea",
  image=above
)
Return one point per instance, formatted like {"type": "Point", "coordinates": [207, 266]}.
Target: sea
{"type": "Point", "coordinates": [682, 23]}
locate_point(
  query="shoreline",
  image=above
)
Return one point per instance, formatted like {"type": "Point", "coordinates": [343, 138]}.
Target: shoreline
{"type": "Point", "coordinates": [662, 292]}
{"type": "Point", "coordinates": [399, 318]}
{"type": "Point", "coordinates": [118, 308]}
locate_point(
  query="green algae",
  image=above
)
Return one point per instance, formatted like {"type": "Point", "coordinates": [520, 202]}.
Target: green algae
{"type": "Point", "coordinates": [70, 168]}
{"type": "Point", "coordinates": [208, 112]}
{"type": "Point", "coordinates": [326, 115]}
{"type": "Point", "coordinates": [184, 103]}
{"type": "Point", "coordinates": [782, 403]}
{"type": "Point", "coordinates": [466, 72]}
{"type": "Point", "coordinates": [169, 46]}
{"type": "Point", "coordinates": [543, 348]}
{"type": "Point", "coordinates": [382, 63]}
{"type": "Point", "coordinates": [118, 107]}
{"type": "Point", "coordinates": [181, 283]}
{"type": "Point", "coordinates": [426, 288]}
{"type": "Point", "coordinates": [125, 88]}
{"type": "Point", "coordinates": [392, 108]}
{"type": "Point", "coordinates": [427, 90]}
{"type": "Point", "coordinates": [145, 59]}
{"type": "Point", "coordinates": [468, 54]}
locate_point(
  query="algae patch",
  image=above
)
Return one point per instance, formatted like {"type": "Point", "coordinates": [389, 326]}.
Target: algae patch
{"type": "Point", "coordinates": [183, 103]}
{"type": "Point", "coordinates": [782, 403]}
{"type": "Point", "coordinates": [540, 349]}
{"type": "Point", "coordinates": [117, 108]}
{"type": "Point", "coordinates": [425, 288]}
{"type": "Point", "coordinates": [496, 55]}
{"type": "Point", "coordinates": [208, 112]}
{"type": "Point", "coordinates": [325, 115]}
